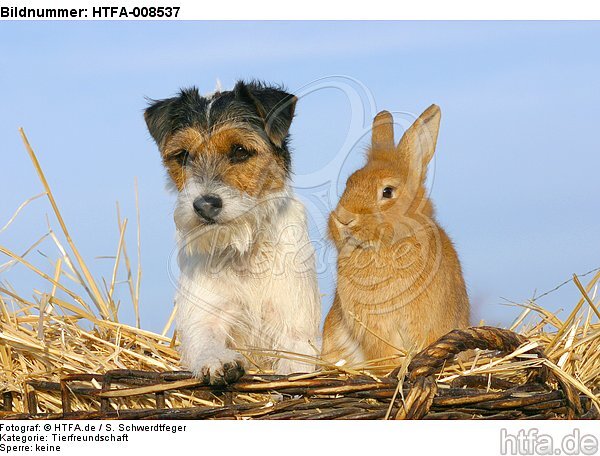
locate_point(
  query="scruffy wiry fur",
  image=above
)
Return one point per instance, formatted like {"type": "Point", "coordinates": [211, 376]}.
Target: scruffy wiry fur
{"type": "Point", "coordinates": [248, 284]}
{"type": "Point", "coordinates": [398, 272]}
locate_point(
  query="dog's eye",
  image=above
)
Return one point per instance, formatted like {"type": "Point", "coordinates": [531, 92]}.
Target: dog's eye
{"type": "Point", "coordinates": [388, 192]}
{"type": "Point", "coordinates": [181, 156]}
{"type": "Point", "coordinates": [239, 154]}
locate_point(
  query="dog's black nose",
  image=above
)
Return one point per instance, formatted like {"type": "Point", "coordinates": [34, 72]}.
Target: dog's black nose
{"type": "Point", "coordinates": [208, 206]}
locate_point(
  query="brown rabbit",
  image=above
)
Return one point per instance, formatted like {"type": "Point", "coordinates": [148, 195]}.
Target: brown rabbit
{"type": "Point", "coordinates": [400, 284]}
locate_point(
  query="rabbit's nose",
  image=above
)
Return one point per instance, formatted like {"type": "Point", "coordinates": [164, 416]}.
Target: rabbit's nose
{"type": "Point", "coordinates": [345, 219]}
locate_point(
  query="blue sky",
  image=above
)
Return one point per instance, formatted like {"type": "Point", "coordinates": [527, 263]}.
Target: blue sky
{"type": "Point", "coordinates": [516, 173]}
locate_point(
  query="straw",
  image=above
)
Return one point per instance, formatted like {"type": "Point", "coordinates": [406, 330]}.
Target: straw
{"type": "Point", "coordinates": [61, 331]}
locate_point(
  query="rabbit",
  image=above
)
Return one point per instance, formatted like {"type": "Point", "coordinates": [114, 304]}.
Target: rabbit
{"type": "Point", "coordinates": [400, 285]}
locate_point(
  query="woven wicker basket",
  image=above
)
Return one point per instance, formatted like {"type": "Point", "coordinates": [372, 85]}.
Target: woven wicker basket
{"type": "Point", "coordinates": [333, 396]}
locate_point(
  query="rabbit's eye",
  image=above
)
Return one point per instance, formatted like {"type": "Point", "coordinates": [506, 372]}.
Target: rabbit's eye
{"type": "Point", "coordinates": [388, 192]}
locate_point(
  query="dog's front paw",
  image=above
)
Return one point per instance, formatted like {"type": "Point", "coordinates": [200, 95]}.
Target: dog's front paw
{"type": "Point", "coordinates": [223, 369]}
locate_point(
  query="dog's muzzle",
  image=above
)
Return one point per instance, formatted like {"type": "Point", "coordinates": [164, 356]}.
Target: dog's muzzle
{"type": "Point", "coordinates": [208, 207]}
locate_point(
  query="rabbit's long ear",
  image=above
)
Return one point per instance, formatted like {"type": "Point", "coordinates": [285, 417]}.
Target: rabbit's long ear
{"type": "Point", "coordinates": [382, 136]}
{"type": "Point", "coordinates": [420, 139]}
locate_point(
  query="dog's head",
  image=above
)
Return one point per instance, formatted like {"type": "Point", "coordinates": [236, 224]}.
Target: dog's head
{"type": "Point", "coordinates": [227, 155]}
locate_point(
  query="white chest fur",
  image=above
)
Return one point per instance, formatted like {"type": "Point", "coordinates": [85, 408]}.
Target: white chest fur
{"type": "Point", "coordinates": [260, 301]}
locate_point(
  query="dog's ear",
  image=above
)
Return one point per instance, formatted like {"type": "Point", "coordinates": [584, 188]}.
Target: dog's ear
{"type": "Point", "coordinates": [274, 106]}
{"type": "Point", "coordinates": [159, 119]}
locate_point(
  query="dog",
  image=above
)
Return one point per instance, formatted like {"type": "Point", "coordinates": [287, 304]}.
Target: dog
{"type": "Point", "coordinates": [247, 289]}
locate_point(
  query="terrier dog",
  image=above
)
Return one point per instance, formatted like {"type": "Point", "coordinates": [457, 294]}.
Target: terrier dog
{"type": "Point", "coordinates": [248, 281]}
